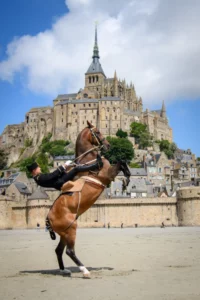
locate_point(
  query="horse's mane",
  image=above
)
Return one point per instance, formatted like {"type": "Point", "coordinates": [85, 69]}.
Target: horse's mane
{"type": "Point", "coordinates": [78, 140]}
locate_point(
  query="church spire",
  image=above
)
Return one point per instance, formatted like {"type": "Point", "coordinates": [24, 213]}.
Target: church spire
{"type": "Point", "coordinates": [163, 110]}
{"type": "Point", "coordinates": [96, 48]}
{"type": "Point", "coordinates": [95, 66]}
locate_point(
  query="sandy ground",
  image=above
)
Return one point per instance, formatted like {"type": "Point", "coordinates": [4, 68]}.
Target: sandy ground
{"type": "Point", "coordinates": [132, 263]}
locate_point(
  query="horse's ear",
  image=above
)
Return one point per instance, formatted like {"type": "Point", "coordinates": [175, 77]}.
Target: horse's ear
{"type": "Point", "coordinates": [89, 124]}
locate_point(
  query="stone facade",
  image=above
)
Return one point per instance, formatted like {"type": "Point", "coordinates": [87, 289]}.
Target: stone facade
{"type": "Point", "coordinates": [188, 206]}
{"type": "Point", "coordinates": [108, 103]}
{"type": "Point", "coordinates": [183, 211]}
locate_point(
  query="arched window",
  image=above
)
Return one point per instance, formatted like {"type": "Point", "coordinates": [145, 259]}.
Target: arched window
{"type": "Point", "coordinates": [93, 79]}
{"type": "Point", "coordinates": [89, 79]}
{"type": "Point", "coordinates": [97, 78]}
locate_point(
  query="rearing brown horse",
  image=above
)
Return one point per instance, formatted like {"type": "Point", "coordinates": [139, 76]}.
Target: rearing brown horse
{"type": "Point", "coordinates": [63, 215]}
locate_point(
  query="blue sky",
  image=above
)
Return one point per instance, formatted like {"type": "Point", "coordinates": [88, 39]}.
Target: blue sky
{"type": "Point", "coordinates": [46, 47]}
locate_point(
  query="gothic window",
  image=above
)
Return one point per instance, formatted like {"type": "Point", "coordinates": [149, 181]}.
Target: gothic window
{"type": "Point", "coordinates": [89, 104]}
{"type": "Point", "coordinates": [27, 119]}
{"type": "Point", "coordinates": [97, 78]}
{"type": "Point", "coordinates": [89, 79]}
{"type": "Point", "coordinates": [74, 105]}
{"type": "Point", "coordinates": [93, 79]}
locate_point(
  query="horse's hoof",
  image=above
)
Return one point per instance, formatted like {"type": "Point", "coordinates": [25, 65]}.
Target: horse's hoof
{"type": "Point", "coordinates": [87, 275]}
{"type": "Point", "coordinates": [65, 272]}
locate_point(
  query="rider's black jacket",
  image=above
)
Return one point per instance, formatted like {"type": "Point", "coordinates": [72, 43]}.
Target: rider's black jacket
{"type": "Point", "coordinates": [53, 180]}
{"type": "Point", "coordinates": [57, 178]}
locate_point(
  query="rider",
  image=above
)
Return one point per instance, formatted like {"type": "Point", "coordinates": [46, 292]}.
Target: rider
{"type": "Point", "coordinates": [57, 178]}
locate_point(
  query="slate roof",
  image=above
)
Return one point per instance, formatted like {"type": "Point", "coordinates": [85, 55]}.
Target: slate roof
{"type": "Point", "coordinates": [66, 96]}
{"type": "Point", "coordinates": [79, 101]}
{"type": "Point", "coordinates": [13, 176]}
{"type": "Point", "coordinates": [158, 111]}
{"type": "Point", "coordinates": [135, 185]}
{"type": "Point", "coordinates": [110, 99]}
{"type": "Point", "coordinates": [22, 188]}
{"type": "Point", "coordinates": [157, 156]}
{"type": "Point", "coordinates": [95, 67]}
{"type": "Point", "coordinates": [136, 172]}
{"type": "Point", "coordinates": [38, 194]}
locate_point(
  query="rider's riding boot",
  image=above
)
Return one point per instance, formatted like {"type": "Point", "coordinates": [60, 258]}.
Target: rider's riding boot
{"type": "Point", "coordinates": [98, 165]}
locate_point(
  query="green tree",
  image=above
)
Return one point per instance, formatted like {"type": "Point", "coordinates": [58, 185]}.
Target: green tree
{"type": "Point", "coordinates": [136, 129]}
{"type": "Point", "coordinates": [145, 140]}
{"type": "Point", "coordinates": [168, 148]}
{"type": "Point", "coordinates": [122, 134]}
{"type": "Point", "coordinates": [141, 134]}
{"type": "Point", "coordinates": [198, 158]}
{"type": "Point", "coordinates": [3, 159]}
{"type": "Point", "coordinates": [121, 149]}
{"type": "Point", "coordinates": [42, 161]}
{"type": "Point", "coordinates": [24, 163]}
{"type": "Point", "coordinates": [134, 165]}
{"type": "Point", "coordinates": [55, 148]}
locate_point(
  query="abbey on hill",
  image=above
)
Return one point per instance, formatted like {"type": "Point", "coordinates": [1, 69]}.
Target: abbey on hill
{"type": "Point", "coordinates": [108, 103]}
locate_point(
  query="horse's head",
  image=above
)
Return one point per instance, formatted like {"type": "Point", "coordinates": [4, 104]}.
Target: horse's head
{"type": "Point", "coordinates": [96, 138]}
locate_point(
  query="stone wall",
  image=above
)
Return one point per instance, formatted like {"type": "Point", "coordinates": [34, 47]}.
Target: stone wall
{"type": "Point", "coordinates": [131, 212]}
{"type": "Point", "coordinates": [6, 212]}
{"type": "Point", "coordinates": [137, 212]}
{"type": "Point", "coordinates": [188, 206]}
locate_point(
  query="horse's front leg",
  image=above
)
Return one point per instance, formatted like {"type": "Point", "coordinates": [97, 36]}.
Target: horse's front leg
{"type": "Point", "coordinates": [70, 239]}
{"type": "Point", "coordinates": [71, 253]}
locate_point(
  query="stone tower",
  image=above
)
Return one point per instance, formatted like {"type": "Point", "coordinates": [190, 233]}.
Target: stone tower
{"type": "Point", "coordinates": [94, 77]}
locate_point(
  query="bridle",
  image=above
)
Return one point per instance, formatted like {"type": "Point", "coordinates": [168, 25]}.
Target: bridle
{"type": "Point", "coordinates": [97, 148]}
{"type": "Point", "coordinates": [96, 137]}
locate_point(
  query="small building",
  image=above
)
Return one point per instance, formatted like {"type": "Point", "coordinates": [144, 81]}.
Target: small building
{"type": "Point", "coordinates": [60, 160]}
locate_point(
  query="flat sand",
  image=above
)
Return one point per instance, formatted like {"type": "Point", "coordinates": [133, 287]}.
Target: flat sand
{"type": "Point", "coordinates": [129, 263]}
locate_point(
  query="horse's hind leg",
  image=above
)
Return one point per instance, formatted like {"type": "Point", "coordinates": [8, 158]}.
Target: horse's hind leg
{"type": "Point", "coordinates": [71, 236]}
{"type": "Point", "coordinates": [59, 252]}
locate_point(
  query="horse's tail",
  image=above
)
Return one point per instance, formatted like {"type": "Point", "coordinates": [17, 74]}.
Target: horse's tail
{"type": "Point", "coordinates": [51, 232]}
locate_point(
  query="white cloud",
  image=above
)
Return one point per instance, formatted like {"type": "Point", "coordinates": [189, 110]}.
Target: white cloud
{"type": "Point", "coordinates": [153, 43]}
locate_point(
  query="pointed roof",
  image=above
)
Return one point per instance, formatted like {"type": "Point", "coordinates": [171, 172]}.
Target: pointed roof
{"type": "Point", "coordinates": [38, 194]}
{"type": "Point", "coordinates": [163, 110]}
{"type": "Point", "coordinates": [95, 66]}
{"type": "Point", "coordinates": [22, 188]}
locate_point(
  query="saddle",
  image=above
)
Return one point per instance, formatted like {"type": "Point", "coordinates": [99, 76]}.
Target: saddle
{"type": "Point", "coordinates": [77, 186]}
